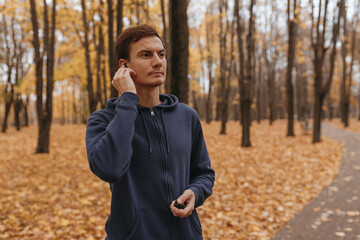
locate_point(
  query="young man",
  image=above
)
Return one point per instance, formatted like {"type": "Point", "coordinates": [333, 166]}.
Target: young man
{"type": "Point", "coordinates": [149, 147]}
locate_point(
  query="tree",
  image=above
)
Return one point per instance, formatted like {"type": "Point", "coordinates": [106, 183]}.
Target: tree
{"type": "Point", "coordinates": [209, 46]}
{"type": "Point", "coordinates": [113, 65]}
{"type": "Point", "coordinates": [9, 88]}
{"type": "Point", "coordinates": [167, 44]}
{"type": "Point", "coordinates": [347, 69]}
{"type": "Point", "coordinates": [271, 46]}
{"type": "Point", "coordinates": [302, 50]}
{"type": "Point", "coordinates": [292, 22]}
{"type": "Point", "coordinates": [85, 42]}
{"type": "Point", "coordinates": [19, 74]}
{"type": "Point", "coordinates": [225, 64]}
{"type": "Point", "coordinates": [179, 38]}
{"type": "Point", "coordinates": [102, 53]}
{"type": "Point", "coordinates": [97, 45]}
{"type": "Point", "coordinates": [319, 49]}
{"type": "Point", "coordinates": [44, 114]}
{"type": "Point", "coordinates": [301, 92]}
{"type": "Point", "coordinates": [245, 78]}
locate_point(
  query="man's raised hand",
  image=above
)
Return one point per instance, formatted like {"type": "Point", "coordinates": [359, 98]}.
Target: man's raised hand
{"type": "Point", "coordinates": [123, 81]}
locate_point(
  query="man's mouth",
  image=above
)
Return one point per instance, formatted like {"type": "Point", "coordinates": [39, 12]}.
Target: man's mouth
{"type": "Point", "coordinates": [157, 72]}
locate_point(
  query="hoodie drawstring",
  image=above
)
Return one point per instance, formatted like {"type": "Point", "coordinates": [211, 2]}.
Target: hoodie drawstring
{"type": "Point", "coordinates": [163, 123]}
{"type": "Point", "coordinates": [147, 132]}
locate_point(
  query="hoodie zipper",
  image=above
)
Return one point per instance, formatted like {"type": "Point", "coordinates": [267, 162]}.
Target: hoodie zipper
{"type": "Point", "coordinates": [167, 181]}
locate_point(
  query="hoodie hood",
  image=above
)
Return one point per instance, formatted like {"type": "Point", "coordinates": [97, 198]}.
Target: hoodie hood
{"type": "Point", "coordinates": [168, 101]}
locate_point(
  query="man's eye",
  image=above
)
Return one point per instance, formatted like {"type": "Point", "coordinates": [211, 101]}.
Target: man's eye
{"type": "Point", "coordinates": [162, 54]}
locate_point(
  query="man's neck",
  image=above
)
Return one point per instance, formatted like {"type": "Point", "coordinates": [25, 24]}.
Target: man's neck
{"type": "Point", "coordinates": [148, 96]}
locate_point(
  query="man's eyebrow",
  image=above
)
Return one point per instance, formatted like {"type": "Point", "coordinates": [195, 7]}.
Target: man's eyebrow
{"type": "Point", "coordinates": [149, 51]}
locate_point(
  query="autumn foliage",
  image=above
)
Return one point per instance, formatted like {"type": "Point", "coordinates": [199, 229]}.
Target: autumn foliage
{"type": "Point", "coordinates": [257, 189]}
{"type": "Point", "coordinates": [354, 125]}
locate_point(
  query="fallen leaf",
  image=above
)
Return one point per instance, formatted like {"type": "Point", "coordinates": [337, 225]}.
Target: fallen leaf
{"type": "Point", "coordinates": [340, 234]}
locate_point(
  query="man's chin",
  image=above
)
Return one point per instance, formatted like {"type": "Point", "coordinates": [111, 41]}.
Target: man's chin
{"type": "Point", "coordinates": [152, 84]}
{"type": "Point", "coordinates": [157, 82]}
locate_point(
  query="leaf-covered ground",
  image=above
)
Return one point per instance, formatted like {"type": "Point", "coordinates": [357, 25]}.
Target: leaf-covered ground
{"type": "Point", "coordinates": [354, 124]}
{"type": "Point", "coordinates": [257, 189]}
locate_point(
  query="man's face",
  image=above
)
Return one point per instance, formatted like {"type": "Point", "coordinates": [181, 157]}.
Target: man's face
{"type": "Point", "coordinates": [147, 59]}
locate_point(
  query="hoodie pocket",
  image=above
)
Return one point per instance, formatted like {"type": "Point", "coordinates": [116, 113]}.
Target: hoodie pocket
{"type": "Point", "coordinates": [151, 224]}
{"type": "Point", "coordinates": [188, 228]}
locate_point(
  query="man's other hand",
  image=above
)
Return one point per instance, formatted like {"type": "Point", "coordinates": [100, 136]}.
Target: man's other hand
{"type": "Point", "coordinates": [188, 196]}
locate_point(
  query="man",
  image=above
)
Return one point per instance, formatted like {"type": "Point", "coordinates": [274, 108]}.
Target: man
{"type": "Point", "coordinates": [149, 147]}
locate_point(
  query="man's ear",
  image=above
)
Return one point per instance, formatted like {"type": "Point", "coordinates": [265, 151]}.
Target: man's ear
{"type": "Point", "coordinates": [122, 62]}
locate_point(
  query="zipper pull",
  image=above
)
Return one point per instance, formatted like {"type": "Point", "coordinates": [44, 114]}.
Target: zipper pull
{"type": "Point", "coordinates": [152, 112]}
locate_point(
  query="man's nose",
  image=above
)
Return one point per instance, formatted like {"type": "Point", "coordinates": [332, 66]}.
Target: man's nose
{"type": "Point", "coordinates": [157, 62]}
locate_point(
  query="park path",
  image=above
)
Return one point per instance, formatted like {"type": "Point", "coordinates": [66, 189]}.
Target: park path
{"type": "Point", "coordinates": [335, 213]}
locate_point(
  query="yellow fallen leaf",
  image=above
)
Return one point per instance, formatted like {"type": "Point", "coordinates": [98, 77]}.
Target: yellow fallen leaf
{"type": "Point", "coordinates": [64, 222]}
{"type": "Point", "coordinates": [340, 234]}
{"type": "Point", "coordinates": [353, 213]}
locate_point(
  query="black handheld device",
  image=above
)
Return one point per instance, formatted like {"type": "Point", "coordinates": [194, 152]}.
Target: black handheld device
{"type": "Point", "coordinates": [180, 206]}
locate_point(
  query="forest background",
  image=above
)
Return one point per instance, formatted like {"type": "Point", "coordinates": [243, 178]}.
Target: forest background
{"type": "Point", "coordinates": [237, 60]}
{"type": "Point", "coordinates": [242, 65]}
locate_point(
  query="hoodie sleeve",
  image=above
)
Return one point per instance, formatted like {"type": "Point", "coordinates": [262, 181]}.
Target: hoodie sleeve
{"type": "Point", "coordinates": [202, 176]}
{"type": "Point", "coordinates": [109, 143]}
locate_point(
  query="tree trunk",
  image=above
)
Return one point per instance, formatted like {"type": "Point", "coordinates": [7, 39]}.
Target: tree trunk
{"type": "Point", "coordinates": [92, 99]}
{"type": "Point", "coordinates": [271, 88]}
{"type": "Point", "coordinates": [246, 111]}
{"type": "Point", "coordinates": [98, 64]}
{"type": "Point", "coordinates": [9, 99]}
{"type": "Point", "coordinates": [25, 112]}
{"type": "Point", "coordinates": [347, 70]}
{"type": "Point", "coordinates": [241, 78]}
{"type": "Point", "coordinates": [258, 94]}
{"type": "Point", "coordinates": [62, 118]}
{"type": "Point", "coordinates": [167, 46]}
{"type": "Point", "coordinates": [119, 17]}
{"type": "Point", "coordinates": [244, 84]}
{"type": "Point", "coordinates": [209, 32]}
{"type": "Point", "coordinates": [330, 108]}
{"type": "Point", "coordinates": [17, 109]}
{"type": "Point", "coordinates": [39, 65]}
{"type": "Point", "coordinates": [195, 102]}
{"type": "Point", "coordinates": [44, 115]}
{"type": "Point", "coordinates": [46, 118]}
{"type": "Point", "coordinates": [226, 93]}
{"type": "Point", "coordinates": [16, 96]}
{"type": "Point", "coordinates": [317, 117]}
{"type": "Point", "coordinates": [301, 92]}
{"type": "Point", "coordinates": [319, 57]}
{"type": "Point", "coordinates": [9, 87]}
{"type": "Point", "coordinates": [102, 56]}
{"type": "Point", "coordinates": [359, 105]}
{"type": "Point", "coordinates": [113, 65]}
{"type": "Point", "coordinates": [344, 50]}
{"type": "Point", "coordinates": [290, 65]}
{"type": "Point", "coordinates": [221, 100]}
{"type": "Point", "coordinates": [179, 38]}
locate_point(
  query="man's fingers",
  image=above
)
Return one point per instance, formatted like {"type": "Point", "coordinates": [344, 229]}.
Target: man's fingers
{"type": "Point", "coordinates": [123, 80]}
{"type": "Point", "coordinates": [182, 213]}
{"type": "Point", "coordinates": [184, 197]}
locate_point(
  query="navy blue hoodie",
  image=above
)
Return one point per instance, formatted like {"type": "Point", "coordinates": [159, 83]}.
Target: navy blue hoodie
{"type": "Point", "coordinates": [149, 157]}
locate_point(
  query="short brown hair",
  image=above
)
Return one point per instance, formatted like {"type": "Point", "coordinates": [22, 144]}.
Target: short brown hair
{"type": "Point", "coordinates": [131, 35]}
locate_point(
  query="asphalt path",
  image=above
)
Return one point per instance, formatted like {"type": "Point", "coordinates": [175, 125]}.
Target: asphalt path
{"type": "Point", "coordinates": [335, 213]}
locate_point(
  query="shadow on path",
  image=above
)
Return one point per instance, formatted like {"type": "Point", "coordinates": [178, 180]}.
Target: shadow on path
{"type": "Point", "coordinates": [335, 213]}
